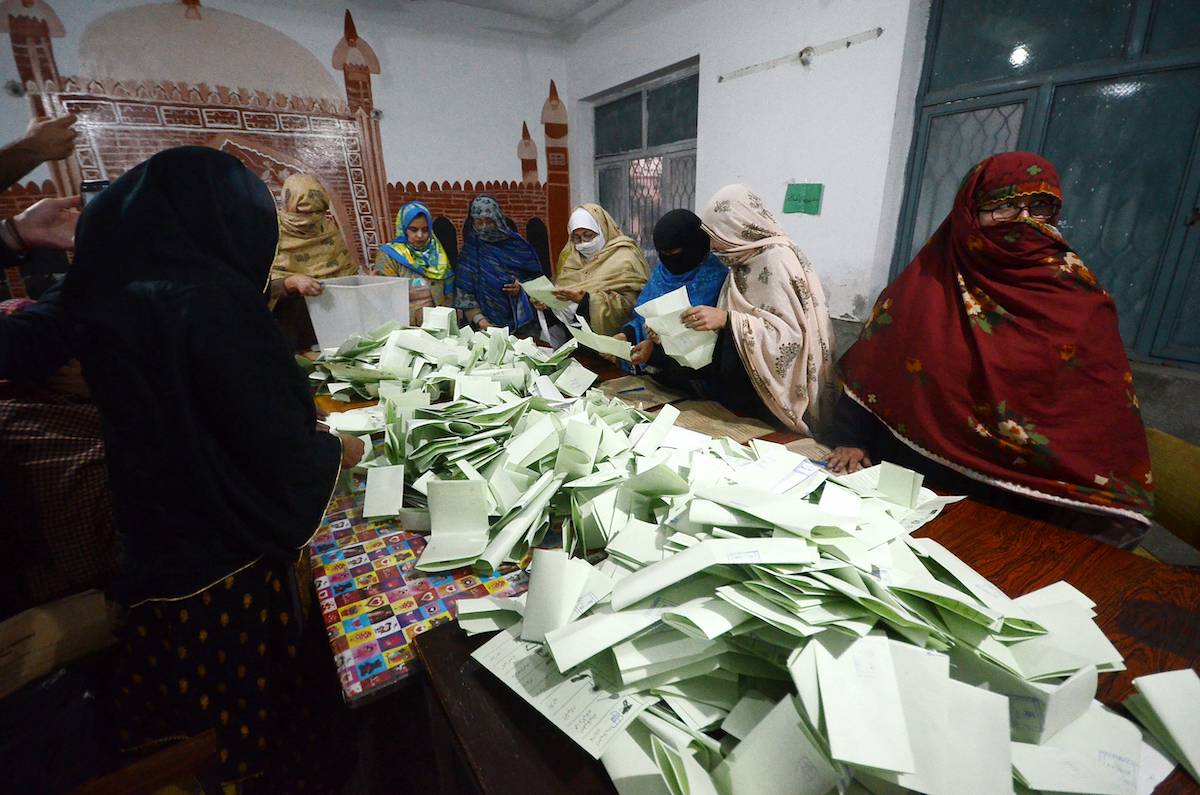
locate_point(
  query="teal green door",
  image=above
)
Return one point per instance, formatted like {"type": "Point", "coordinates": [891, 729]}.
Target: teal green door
{"type": "Point", "coordinates": [1110, 93]}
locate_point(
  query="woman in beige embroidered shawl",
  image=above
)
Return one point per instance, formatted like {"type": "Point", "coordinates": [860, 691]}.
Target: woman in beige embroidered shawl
{"type": "Point", "coordinates": [310, 248]}
{"type": "Point", "coordinates": [601, 271]}
{"type": "Point", "coordinates": [772, 312]}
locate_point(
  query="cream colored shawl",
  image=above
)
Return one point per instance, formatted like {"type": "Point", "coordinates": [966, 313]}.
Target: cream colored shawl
{"type": "Point", "coordinates": [777, 309]}
{"type": "Point", "coordinates": [612, 279]}
{"type": "Point", "coordinates": [309, 243]}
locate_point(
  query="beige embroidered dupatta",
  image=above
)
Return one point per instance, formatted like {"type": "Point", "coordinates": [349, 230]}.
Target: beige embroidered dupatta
{"type": "Point", "coordinates": [777, 310]}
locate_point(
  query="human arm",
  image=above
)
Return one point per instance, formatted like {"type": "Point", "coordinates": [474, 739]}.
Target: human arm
{"type": "Point", "coordinates": [853, 434]}
{"type": "Point", "coordinates": [44, 140]}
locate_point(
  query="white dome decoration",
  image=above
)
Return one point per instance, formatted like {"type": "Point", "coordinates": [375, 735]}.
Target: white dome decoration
{"type": "Point", "coordinates": [157, 42]}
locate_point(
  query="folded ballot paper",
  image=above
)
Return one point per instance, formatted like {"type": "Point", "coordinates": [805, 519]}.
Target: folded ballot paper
{"type": "Point", "coordinates": [541, 290]}
{"type": "Point", "coordinates": [1168, 706]}
{"type": "Point", "coordinates": [730, 618]}
{"type": "Point", "coordinates": [664, 317]}
{"type": "Point", "coordinates": [600, 342]}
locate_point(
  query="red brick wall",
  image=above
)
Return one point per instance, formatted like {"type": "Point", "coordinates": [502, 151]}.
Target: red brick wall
{"type": "Point", "coordinates": [520, 201]}
{"type": "Point", "coordinates": [18, 197]}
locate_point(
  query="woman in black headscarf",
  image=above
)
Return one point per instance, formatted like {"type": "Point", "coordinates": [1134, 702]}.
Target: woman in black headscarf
{"type": "Point", "coordinates": [684, 260]}
{"type": "Point", "coordinates": [219, 472]}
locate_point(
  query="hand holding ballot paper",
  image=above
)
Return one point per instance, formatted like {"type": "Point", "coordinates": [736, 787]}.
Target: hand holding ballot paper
{"type": "Point", "coordinates": [541, 290]}
{"type": "Point", "coordinates": [664, 316]}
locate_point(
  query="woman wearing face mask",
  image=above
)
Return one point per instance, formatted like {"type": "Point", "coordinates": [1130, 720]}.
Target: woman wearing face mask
{"type": "Point", "coordinates": [311, 248]}
{"type": "Point", "coordinates": [600, 271]}
{"type": "Point", "coordinates": [493, 262]}
{"type": "Point", "coordinates": [416, 254]}
{"type": "Point", "coordinates": [994, 365]}
{"type": "Point", "coordinates": [684, 260]}
{"type": "Point", "coordinates": [774, 355]}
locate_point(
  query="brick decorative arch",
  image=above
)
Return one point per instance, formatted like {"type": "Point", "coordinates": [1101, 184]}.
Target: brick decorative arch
{"type": "Point", "coordinates": [273, 167]}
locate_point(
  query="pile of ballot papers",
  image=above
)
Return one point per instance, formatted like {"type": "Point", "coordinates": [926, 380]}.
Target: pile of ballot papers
{"type": "Point", "coordinates": [728, 618]}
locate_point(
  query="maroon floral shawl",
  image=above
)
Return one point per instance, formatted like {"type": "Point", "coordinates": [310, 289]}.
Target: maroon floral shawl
{"type": "Point", "coordinates": [996, 353]}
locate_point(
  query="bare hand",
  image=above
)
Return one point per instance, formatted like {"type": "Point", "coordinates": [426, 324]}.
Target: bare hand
{"type": "Point", "coordinates": [304, 285]}
{"type": "Point", "coordinates": [704, 318]}
{"type": "Point", "coordinates": [68, 380]}
{"type": "Point", "coordinates": [641, 352]}
{"type": "Point", "coordinates": [50, 223]}
{"type": "Point", "coordinates": [484, 323]}
{"type": "Point", "coordinates": [353, 450]}
{"type": "Point", "coordinates": [567, 294]}
{"type": "Point", "coordinates": [538, 305]}
{"type": "Point", "coordinates": [51, 139]}
{"type": "Point", "coordinates": [844, 460]}
{"type": "Point", "coordinates": [513, 289]}
{"type": "Point", "coordinates": [650, 335]}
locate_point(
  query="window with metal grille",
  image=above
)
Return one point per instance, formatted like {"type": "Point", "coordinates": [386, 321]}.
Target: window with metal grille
{"type": "Point", "coordinates": [646, 152]}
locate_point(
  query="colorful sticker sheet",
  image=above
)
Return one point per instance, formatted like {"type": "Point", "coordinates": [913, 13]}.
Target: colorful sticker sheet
{"type": "Point", "coordinates": [374, 601]}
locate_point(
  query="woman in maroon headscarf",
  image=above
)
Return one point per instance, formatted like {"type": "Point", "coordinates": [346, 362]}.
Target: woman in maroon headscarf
{"type": "Point", "coordinates": [995, 355]}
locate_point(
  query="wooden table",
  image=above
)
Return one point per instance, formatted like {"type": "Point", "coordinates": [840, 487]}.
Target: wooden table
{"type": "Point", "coordinates": [1150, 611]}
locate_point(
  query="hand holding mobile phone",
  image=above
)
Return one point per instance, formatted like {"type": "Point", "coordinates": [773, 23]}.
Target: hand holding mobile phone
{"type": "Point", "coordinates": [88, 189]}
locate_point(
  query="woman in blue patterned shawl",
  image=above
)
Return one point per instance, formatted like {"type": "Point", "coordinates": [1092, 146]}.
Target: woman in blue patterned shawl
{"type": "Point", "coordinates": [684, 260]}
{"type": "Point", "coordinates": [493, 259]}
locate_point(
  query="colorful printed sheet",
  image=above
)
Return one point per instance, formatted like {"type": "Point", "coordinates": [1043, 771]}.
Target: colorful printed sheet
{"type": "Point", "coordinates": [373, 600]}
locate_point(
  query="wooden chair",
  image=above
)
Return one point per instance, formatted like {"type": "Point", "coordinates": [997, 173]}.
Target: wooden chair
{"type": "Point", "coordinates": [1176, 468]}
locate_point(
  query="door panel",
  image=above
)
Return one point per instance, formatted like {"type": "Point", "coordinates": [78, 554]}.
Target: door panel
{"type": "Point", "coordinates": [1178, 334]}
{"type": "Point", "coordinates": [1010, 38]}
{"type": "Point", "coordinates": [1121, 147]}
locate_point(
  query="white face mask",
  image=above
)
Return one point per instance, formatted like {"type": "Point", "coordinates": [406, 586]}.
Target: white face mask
{"type": "Point", "coordinates": [591, 248]}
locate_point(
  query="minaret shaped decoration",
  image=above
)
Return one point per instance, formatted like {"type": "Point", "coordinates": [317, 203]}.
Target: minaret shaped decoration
{"type": "Point", "coordinates": [357, 62]}
{"type": "Point", "coordinates": [527, 153]}
{"type": "Point", "coordinates": [31, 24]}
{"type": "Point", "coordinates": [558, 173]}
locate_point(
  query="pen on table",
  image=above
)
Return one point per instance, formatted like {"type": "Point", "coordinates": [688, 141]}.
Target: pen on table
{"type": "Point", "coordinates": [631, 389]}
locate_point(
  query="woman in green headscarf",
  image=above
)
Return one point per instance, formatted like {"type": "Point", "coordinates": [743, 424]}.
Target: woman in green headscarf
{"type": "Point", "coordinates": [417, 255]}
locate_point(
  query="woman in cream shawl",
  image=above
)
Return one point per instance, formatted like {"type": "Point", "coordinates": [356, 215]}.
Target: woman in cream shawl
{"type": "Point", "coordinates": [310, 248]}
{"type": "Point", "coordinates": [773, 307]}
{"type": "Point", "coordinates": [600, 270]}
{"type": "Point", "coordinates": [310, 245]}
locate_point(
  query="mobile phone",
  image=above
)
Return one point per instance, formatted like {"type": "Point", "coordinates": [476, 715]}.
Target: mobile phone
{"type": "Point", "coordinates": [90, 187]}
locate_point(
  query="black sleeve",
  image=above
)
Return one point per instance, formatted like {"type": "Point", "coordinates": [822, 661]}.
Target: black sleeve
{"type": "Point", "coordinates": [584, 308]}
{"type": "Point", "coordinates": [278, 468]}
{"type": "Point", "coordinates": [737, 392]}
{"type": "Point", "coordinates": [34, 342]}
{"type": "Point", "coordinates": [854, 426]}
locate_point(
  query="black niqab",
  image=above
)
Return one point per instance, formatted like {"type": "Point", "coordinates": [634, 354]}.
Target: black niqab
{"type": "Point", "coordinates": [681, 229]}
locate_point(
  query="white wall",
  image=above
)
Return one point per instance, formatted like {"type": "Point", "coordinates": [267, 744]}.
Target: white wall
{"type": "Point", "coordinates": [845, 121]}
{"type": "Point", "coordinates": [455, 87]}
{"type": "Point", "coordinates": [459, 81]}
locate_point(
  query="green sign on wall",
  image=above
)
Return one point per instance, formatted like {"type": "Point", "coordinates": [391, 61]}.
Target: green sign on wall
{"type": "Point", "coordinates": [803, 197]}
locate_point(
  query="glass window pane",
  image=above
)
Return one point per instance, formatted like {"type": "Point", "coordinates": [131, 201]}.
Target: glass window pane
{"type": "Point", "coordinates": [612, 181]}
{"type": "Point", "coordinates": [681, 182]}
{"type": "Point", "coordinates": [645, 202]}
{"type": "Point", "coordinates": [672, 112]}
{"type": "Point", "coordinates": [958, 141]}
{"type": "Point", "coordinates": [1176, 23]}
{"type": "Point", "coordinates": [1121, 148]}
{"type": "Point", "coordinates": [619, 125]}
{"type": "Point", "coordinates": [1006, 38]}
